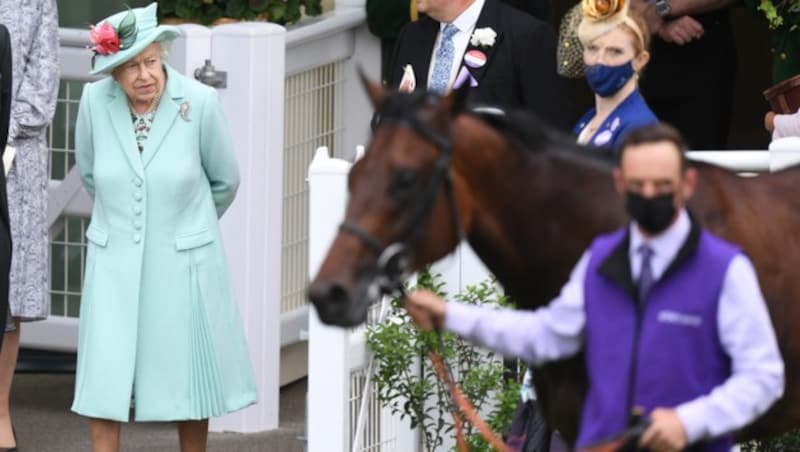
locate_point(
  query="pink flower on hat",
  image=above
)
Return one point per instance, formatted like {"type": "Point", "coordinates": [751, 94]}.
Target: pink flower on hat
{"type": "Point", "coordinates": [104, 38]}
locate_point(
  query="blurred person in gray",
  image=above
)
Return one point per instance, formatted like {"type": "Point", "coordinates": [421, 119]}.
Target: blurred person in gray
{"type": "Point", "coordinates": [33, 26]}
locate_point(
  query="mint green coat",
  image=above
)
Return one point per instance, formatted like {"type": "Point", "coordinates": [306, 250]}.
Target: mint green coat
{"type": "Point", "coordinates": [158, 317]}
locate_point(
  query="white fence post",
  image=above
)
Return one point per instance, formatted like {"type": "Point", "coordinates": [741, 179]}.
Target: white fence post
{"type": "Point", "coordinates": [328, 364]}
{"type": "Point", "coordinates": [253, 56]}
{"type": "Point", "coordinates": [191, 49]}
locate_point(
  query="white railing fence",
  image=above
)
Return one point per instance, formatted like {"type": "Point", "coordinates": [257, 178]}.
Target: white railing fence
{"type": "Point", "coordinates": [339, 359]}
{"type": "Point", "coordinates": [782, 153]}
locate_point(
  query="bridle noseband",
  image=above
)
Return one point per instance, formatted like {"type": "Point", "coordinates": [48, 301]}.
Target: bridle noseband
{"type": "Point", "coordinates": [393, 260]}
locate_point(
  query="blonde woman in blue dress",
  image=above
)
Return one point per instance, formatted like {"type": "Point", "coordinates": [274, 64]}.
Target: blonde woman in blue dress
{"type": "Point", "coordinates": [158, 318]}
{"type": "Point", "coordinates": [615, 51]}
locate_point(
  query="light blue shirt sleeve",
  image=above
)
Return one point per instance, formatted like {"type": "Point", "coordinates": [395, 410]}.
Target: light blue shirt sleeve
{"type": "Point", "coordinates": [548, 333]}
{"type": "Point", "coordinates": [757, 370]}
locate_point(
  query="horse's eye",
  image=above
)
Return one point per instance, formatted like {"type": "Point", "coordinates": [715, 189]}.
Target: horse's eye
{"type": "Point", "coordinates": [403, 183]}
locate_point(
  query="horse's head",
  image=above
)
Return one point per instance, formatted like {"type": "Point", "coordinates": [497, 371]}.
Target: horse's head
{"type": "Point", "coordinates": [406, 207]}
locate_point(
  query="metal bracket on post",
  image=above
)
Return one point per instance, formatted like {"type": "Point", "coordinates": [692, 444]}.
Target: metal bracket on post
{"type": "Point", "coordinates": [210, 76]}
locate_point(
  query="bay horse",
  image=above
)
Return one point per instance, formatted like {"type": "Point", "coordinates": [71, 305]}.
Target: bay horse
{"type": "Point", "coordinates": [530, 201]}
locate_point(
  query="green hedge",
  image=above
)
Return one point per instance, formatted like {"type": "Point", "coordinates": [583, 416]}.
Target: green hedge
{"type": "Point", "coordinates": [207, 12]}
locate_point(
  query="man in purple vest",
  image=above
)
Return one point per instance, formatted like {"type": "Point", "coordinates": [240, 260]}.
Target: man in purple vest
{"type": "Point", "coordinates": [671, 317]}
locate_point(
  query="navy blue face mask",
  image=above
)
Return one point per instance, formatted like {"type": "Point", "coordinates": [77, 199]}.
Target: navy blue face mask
{"type": "Point", "coordinates": [605, 81]}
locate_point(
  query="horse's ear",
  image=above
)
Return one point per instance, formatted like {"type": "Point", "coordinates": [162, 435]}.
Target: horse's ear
{"type": "Point", "coordinates": [375, 91]}
{"type": "Point", "coordinates": [454, 101]}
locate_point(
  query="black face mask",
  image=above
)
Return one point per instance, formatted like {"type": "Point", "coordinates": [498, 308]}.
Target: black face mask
{"type": "Point", "coordinates": [653, 215]}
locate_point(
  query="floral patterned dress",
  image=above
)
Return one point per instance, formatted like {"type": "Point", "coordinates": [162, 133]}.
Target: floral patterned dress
{"type": "Point", "coordinates": [142, 123]}
{"type": "Point", "coordinates": [33, 26]}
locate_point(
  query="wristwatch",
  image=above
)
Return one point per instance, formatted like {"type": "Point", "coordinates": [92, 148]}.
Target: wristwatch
{"type": "Point", "coordinates": [663, 9]}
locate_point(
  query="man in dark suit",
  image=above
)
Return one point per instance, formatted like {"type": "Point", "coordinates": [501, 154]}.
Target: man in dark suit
{"type": "Point", "coordinates": [540, 9]}
{"type": "Point", "coordinates": [5, 233]}
{"type": "Point", "coordinates": [506, 56]}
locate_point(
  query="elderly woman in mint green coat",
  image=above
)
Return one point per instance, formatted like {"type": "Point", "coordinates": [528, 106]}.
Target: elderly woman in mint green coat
{"type": "Point", "coordinates": [158, 317]}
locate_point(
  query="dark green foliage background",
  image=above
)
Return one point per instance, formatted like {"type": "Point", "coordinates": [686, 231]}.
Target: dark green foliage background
{"type": "Point", "coordinates": [207, 11]}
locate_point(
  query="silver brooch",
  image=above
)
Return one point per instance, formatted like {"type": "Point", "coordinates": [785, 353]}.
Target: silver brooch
{"type": "Point", "coordinates": [185, 111]}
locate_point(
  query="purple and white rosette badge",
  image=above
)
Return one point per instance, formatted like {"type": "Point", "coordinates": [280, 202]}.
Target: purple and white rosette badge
{"type": "Point", "coordinates": [475, 59]}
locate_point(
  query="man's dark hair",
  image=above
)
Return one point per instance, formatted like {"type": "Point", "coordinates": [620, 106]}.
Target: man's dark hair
{"type": "Point", "coordinates": [656, 133]}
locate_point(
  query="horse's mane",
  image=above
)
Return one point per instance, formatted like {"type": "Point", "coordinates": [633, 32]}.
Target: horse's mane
{"type": "Point", "coordinates": [403, 105]}
{"type": "Point", "coordinates": [528, 129]}
{"type": "Point", "coordinates": [529, 133]}
{"type": "Point", "coordinates": [524, 131]}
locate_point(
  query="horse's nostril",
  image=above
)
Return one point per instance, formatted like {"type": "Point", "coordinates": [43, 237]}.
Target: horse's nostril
{"type": "Point", "coordinates": [327, 295]}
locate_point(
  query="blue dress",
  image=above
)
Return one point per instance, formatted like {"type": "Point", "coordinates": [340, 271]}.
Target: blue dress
{"type": "Point", "coordinates": [631, 114]}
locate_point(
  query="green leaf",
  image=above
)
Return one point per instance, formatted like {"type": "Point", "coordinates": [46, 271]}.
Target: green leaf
{"type": "Point", "coordinates": [184, 12]}
{"type": "Point", "coordinates": [293, 13]}
{"type": "Point", "coordinates": [235, 8]}
{"type": "Point", "coordinates": [313, 7]}
{"type": "Point", "coordinates": [771, 12]}
{"type": "Point", "coordinates": [277, 12]}
{"type": "Point", "coordinates": [258, 6]}
{"type": "Point", "coordinates": [166, 8]}
{"type": "Point", "coordinates": [213, 13]}
{"type": "Point", "coordinates": [127, 30]}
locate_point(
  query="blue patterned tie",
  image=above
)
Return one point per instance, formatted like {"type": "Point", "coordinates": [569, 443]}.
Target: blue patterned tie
{"type": "Point", "coordinates": [646, 279]}
{"type": "Point", "coordinates": [443, 62]}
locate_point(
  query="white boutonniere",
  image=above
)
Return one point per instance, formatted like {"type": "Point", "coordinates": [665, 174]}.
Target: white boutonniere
{"type": "Point", "coordinates": [483, 37]}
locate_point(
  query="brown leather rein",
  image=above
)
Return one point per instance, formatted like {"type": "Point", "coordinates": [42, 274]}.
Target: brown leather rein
{"type": "Point", "coordinates": [466, 407]}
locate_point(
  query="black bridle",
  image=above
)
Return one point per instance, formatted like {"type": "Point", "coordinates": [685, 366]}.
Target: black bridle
{"type": "Point", "coordinates": [393, 260]}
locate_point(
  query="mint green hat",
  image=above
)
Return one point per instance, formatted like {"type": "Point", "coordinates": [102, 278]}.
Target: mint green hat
{"type": "Point", "coordinates": [134, 29]}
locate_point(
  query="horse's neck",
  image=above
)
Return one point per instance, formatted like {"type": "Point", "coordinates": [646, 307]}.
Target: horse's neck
{"type": "Point", "coordinates": [534, 214]}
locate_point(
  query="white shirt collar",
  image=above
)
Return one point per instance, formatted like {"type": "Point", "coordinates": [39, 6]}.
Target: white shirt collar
{"type": "Point", "coordinates": [466, 21]}
{"type": "Point", "coordinates": [665, 245]}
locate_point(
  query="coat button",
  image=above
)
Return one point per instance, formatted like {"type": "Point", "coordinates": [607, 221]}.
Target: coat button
{"type": "Point", "coordinates": [137, 210]}
{"type": "Point", "coordinates": [137, 196]}
{"type": "Point", "coordinates": [137, 181]}
{"type": "Point", "coordinates": [137, 238]}
{"type": "Point", "coordinates": [137, 225]}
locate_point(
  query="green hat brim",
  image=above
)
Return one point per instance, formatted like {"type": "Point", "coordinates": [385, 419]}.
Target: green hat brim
{"type": "Point", "coordinates": [104, 64]}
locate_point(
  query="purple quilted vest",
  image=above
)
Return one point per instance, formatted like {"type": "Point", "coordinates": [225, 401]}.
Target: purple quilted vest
{"type": "Point", "coordinates": [660, 355]}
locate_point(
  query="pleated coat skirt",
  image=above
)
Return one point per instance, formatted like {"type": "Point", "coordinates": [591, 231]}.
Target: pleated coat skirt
{"type": "Point", "coordinates": [158, 316]}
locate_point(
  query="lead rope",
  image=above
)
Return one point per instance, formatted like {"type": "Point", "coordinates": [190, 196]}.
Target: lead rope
{"type": "Point", "coordinates": [464, 406]}
{"type": "Point", "coordinates": [460, 403]}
